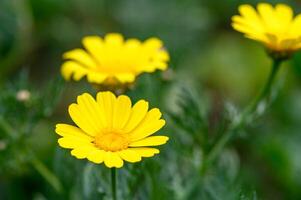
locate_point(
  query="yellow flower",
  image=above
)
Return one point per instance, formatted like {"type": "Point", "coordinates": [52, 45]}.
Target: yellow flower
{"type": "Point", "coordinates": [110, 130]}
{"type": "Point", "coordinates": [276, 26]}
{"type": "Point", "coordinates": [112, 60]}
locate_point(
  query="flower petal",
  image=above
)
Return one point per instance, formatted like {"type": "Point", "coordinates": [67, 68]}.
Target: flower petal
{"type": "Point", "coordinates": [152, 44]}
{"type": "Point", "coordinates": [295, 29]}
{"type": "Point", "coordinates": [122, 111]}
{"type": "Point", "coordinates": [125, 77]}
{"type": "Point", "coordinates": [95, 46]}
{"type": "Point", "coordinates": [96, 77]}
{"type": "Point", "coordinates": [82, 152]}
{"type": "Point", "coordinates": [146, 152]}
{"type": "Point", "coordinates": [251, 18]}
{"type": "Point", "coordinates": [113, 40]}
{"type": "Point", "coordinates": [106, 101]}
{"type": "Point", "coordinates": [150, 124]}
{"type": "Point", "coordinates": [267, 13]}
{"type": "Point", "coordinates": [71, 143]}
{"type": "Point", "coordinates": [87, 114]}
{"type": "Point", "coordinates": [74, 69]}
{"type": "Point", "coordinates": [138, 113]}
{"type": "Point", "coordinates": [82, 57]}
{"type": "Point", "coordinates": [129, 155]}
{"type": "Point", "coordinates": [93, 110]}
{"type": "Point", "coordinates": [284, 14]}
{"type": "Point", "coordinates": [132, 44]}
{"type": "Point", "coordinates": [150, 141]}
{"type": "Point", "coordinates": [67, 130]}
{"type": "Point", "coordinates": [97, 156]}
{"type": "Point", "coordinates": [112, 159]}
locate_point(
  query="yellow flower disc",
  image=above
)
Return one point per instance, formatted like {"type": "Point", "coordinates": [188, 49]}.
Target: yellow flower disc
{"type": "Point", "coordinates": [113, 60]}
{"type": "Point", "coordinates": [111, 130]}
{"type": "Point", "coordinates": [276, 27]}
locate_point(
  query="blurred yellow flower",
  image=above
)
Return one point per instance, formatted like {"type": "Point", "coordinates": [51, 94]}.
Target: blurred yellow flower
{"type": "Point", "coordinates": [110, 130]}
{"type": "Point", "coordinates": [276, 26]}
{"type": "Point", "coordinates": [113, 60]}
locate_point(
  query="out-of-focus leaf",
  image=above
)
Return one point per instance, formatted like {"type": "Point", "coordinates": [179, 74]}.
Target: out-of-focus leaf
{"type": "Point", "coordinates": [190, 116]}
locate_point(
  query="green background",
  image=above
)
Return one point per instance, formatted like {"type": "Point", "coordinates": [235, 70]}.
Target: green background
{"type": "Point", "coordinates": [213, 72]}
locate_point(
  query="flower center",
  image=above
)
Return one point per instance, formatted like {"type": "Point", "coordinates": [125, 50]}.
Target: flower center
{"type": "Point", "coordinates": [111, 141]}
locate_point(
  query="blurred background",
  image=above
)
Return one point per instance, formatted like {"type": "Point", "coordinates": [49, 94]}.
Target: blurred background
{"type": "Point", "coordinates": [213, 73]}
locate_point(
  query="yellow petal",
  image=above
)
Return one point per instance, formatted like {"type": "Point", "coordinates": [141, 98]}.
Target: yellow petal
{"type": "Point", "coordinates": [162, 55]}
{"type": "Point", "coordinates": [258, 37]}
{"type": "Point", "coordinates": [66, 130]}
{"type": "Point", "coordinates": [150, 124]}
{"type": "Point", "coordinates": [126, 77]}
{"type": "Point", "coordinates": [150, 141]}
{"type": "Point", "coordinates": [250, 32]}
{"type": "Point", "coordinates": [112, 159]}
{"type": "Point", "coordinates": [295, 28]}
{"type": "Point", "coordinates": [71, 143]}
{"type": "Point", "coordinates": [114, 39]}
{"type": "Point", "coordinates": [159, 65]}
{"type": "Point", "coordinates": [129, 155]}
{"type": "Point", "coordinates": [106, 101]}
{"type": "Point", "coordinates": [82, 152]}
{"type": "Point", "coordinates": [240, 27]}
{"type": "Point", "coordinates": [153, 43]}
{"type": "Point", "coordinates": [80, 120]}
{"type": "Point", "coordinates": [122, 111]}
{"type": "Point", "coordinates": [96, 77]}
{"type": "Point", "coordinates": [82, 57]}
{"type": "Point", "coordinates": [250, 17]}
{"type": "Point", "coordinates": [95, 47]}
{"type": "Point", "coordinates": [87, 114]}
{"type": "Point", "coordinates": [74, 69]}
{"type": "Point", "coordinates": [138, 113]}
{"type": "Point", "coordinates": [267, 13]}
{"type": "Point", "coordinates": [92, 110]}
{"type": "Point", "coordinates": [284, 14]}
{"type": "Point", "coordinates": [247, 11]}
{"type": "Point", "coordinates": [246, 26]}
{"type": "Point", "coordinates": [132, 44]}
{"type": "Point", "coordinates": [97, 156]}
{"type": "Point", "coordinates": [146, 152]}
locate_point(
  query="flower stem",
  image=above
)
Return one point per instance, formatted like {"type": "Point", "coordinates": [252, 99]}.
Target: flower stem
{"type": "Point", "coordinates": [242, 119]}
{"type": "Point", "coordinates": [265, 91]}
{"type": "Point", "coordinates": [113, 182]}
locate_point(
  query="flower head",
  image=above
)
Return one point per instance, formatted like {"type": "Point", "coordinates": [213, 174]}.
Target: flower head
{"type": "Point", "coordinates": [113, 60]}
{"type": "Point", "coordinates": [276, 27]}
{"type": "Point", "coordinates": [111, 130]}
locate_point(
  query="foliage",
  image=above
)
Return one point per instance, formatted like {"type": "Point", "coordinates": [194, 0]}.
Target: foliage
{"type": "Point", "coordinates": [213, 74]}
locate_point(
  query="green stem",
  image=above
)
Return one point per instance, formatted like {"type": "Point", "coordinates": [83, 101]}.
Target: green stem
{"type": "Point", "coordinates": [47, 174]}
{"type": "Point", "coordinates": [237, 124]}
{"type": "Point", "coordinates": [113, 182]}
{"type": "Point", "coordinates": [266, 89]}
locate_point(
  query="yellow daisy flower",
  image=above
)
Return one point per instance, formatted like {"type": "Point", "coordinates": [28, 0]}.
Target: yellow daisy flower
{"type": "Point", "coordinates": [110, 130]}
{"type": "Point", "coordinates": [276, 26]}
{"type": "Point", "coordinates": [113, 60]}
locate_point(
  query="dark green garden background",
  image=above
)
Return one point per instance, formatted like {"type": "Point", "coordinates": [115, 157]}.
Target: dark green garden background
{"type": "Point", "coordinates": [213, 72]}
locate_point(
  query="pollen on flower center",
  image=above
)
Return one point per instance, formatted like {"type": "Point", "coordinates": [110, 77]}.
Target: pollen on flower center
{"type": "Point", "coordinates": [111, 141]}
